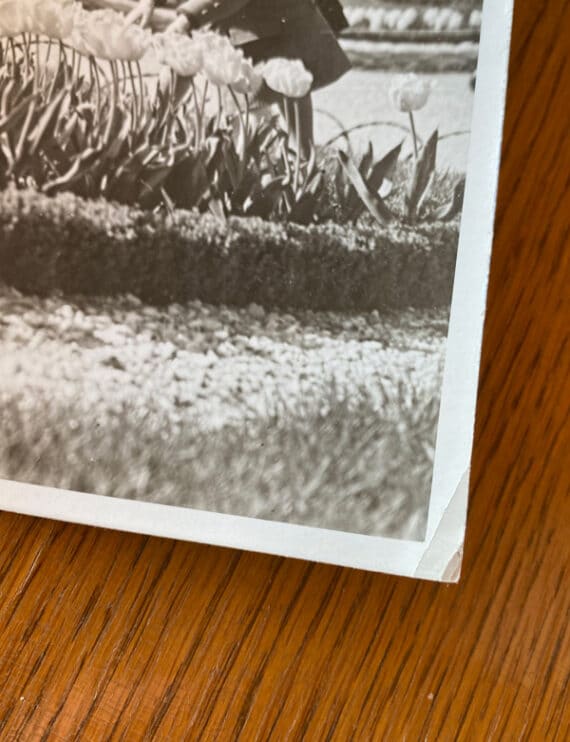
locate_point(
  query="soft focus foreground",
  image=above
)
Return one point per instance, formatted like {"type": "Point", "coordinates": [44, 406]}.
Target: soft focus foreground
{"type": "Point", "coordinates": [302, 418]}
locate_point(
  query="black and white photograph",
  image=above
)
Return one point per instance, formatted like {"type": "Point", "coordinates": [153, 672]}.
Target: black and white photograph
{"type": "Point", "coordinates": [244, 248]}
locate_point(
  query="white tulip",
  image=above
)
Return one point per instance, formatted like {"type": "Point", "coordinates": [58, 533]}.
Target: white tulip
{"type": "Point", "coordinates": [410, 93]}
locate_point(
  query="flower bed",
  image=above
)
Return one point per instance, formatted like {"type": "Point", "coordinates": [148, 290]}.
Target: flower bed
{"type": "Point", "coordinates": [387, 17]}
{"type": "Point", "coordinates": [99, 248]}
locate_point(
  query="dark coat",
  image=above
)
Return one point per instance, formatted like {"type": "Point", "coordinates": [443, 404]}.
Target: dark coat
{"type": "Point", "coordinates": [262, 19]}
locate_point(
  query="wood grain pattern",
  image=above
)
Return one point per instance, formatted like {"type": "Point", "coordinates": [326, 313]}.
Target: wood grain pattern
{"type": "Point", "coordinates": [106, 636]}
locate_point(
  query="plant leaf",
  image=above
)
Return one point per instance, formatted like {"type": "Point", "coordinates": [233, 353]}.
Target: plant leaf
{"type": "Point", "coordinates": [373, 202]}
{"type": "Point", "coordinates": [423, 172]}
{"type": "Point", "coordinates": [367, 161]}
{"type": "Point", "coordinates": [48, 117]}
{"type": "Point", "coordinates": [379, 172]}
{"type": "Point", "coordinates": [449, 211]}
{"type": "Point", "coordinates": [385, 168]}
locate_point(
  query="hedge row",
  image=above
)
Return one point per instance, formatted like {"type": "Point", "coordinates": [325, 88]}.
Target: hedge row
{"type": "Point", "coordinates": [99, 248]}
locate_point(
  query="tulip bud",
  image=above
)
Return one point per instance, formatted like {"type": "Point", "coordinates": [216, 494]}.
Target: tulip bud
{"type": "Point", "coordinates": [14, 18]}
{"type": "Point", "coordinates": [53, 18]}
{"type": "Point", "coordinates": [475, 19]}
{"type": "Point", "coordinates": [288, 77]}
{"type": "Point", "coordinates": [104, 34]}
{"type": "Point", "coordinates": [222, 63]}
{"type": "Point", "coordinates": [182, 54]}
{"type": "Point", "coordinates": [250, 81]}
{"type": "Point", "coordinates": [430, 17]}
{"type": "Point", "coordinates": [407, 19]}
{"type": "Point", "coordinates": [410, 93]}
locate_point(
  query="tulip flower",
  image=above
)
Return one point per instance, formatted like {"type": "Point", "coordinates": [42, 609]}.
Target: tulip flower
{"type": "Point", "coordinates": [250, 80]}
{"type": "Point", "coordinates": [15, 18]}
{"type": "Point", "coordinates": [182, 54]}
{"type": "Point", "coordinates": [410, 94]}
{"type": "Point", "coordinates": [376, 19]}
{"type": "Point", "coordinates": [287, 76]}
{"type": "Point", "coordinates": [92, 31]}
{"type": "Point", "coordinates": [129, 44]}
{"type": "Point", "coordinates": [104, 34]}
{"type": "Point", "coordinates": [222, 63]}
{"type": "Point", "coordinates": [53, 18]}
{"type": "Point", "coordinates": [430, 17]}
{"type": "Point", "coordinates": [407, 19]}
{"type": "Point", "coordinates": [475, 19]}
{"type": "Point", "coordinates": [442, 21]}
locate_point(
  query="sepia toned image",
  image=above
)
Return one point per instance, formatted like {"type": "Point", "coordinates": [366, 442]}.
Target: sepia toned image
{"type": "Point", "coordinates": [228, 242]}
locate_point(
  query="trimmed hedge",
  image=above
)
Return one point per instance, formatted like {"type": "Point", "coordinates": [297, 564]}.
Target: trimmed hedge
{"type": "Point", "coordinates": [67, 244]}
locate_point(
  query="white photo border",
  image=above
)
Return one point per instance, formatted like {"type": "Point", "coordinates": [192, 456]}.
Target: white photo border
{"type": "Point", "coordinates": [438, 557]}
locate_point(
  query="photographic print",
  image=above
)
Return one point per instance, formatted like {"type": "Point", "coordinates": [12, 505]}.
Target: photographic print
{"type": "Point", "coordinates": [244, 249]}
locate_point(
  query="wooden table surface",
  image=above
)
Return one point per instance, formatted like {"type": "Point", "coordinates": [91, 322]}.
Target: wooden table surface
{"type": "Point", "coordinates": [111, 636]}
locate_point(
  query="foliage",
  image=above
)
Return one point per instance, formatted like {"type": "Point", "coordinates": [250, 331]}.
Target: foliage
{"type": "Point", "coordinates": [95, 247]}
{"type": "Point", "coordinates": [77, 115]}
{"type": "Point", "coordinates": [370, 180]}
{"type": "Point", "coordinates": [86, 121]}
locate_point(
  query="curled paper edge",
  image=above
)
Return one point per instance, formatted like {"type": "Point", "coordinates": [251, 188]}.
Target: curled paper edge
{"type": "Point", "coordinates": [443, 556]}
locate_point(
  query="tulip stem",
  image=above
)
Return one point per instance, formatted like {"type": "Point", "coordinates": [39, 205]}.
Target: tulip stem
{"type": "Point", "coordinates": [95, 72]}
{"type": "Point", "coordinates": [219, 117]}
{"type": "Point", "coordinates": [63, 58]}
{"type": "Point", "coordinates": [197, 114]}
{"type": "Point", "coordinates": [141, 86]}
{"type": "Point", "coordinates": [242, 123]}
{"type": "Point", "coordinates": [48, 55]}
{"type": "Point", "coordinates": [414, 134]}
{"type": "Point", "coordinates": [247, 113]}
{"type": "Point", "coordinates": [26, 53]}
{"type": "Point", "coordinates": [203, 106]}
{"type": "Point", "coordinates": [13, 51]}
{"type": "Point", "coordinates": [37, 63]}
{"type": "Point", "coordinates": [113, 105]}
{"type": "Point", "coordinates": [74, 64]}
{"type": "Point", "coordinates": [134, 92]}
{"type": "Point", "coordinates": [297, 107]}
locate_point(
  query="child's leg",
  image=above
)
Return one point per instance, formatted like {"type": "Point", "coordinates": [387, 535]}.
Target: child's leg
{"type": "Point", "coordinates": [303, 137]}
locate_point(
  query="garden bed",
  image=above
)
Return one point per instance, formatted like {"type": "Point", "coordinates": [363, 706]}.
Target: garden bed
{"type": "Point", "coordinates": [67, 244]}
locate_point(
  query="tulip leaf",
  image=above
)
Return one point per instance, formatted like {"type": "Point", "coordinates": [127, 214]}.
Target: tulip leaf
{"type": "Point", "coordinates": [450, 210]}
{"type": "Point", "coordinates": [367, 161]}
{"type": "Point", "coordinates": [216, 207]}
{"type": "Point", "coordinates": [84, 162]}
{"type": "Point", "coordinates": [384, 168]}
{"type": "Point", "coordinates": [18, 112]}
{"type": "Point", "coordinates": [378, 173]}
{"type": "Point", "coordinates": [373, 202]}
{"type": "Point", "coordinates": [46, 125]}
{"type": "Point", "coordinates": [422, 175]}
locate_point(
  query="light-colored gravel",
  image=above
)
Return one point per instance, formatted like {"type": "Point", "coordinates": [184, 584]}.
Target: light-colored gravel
{"type": "Point", "coordinates": [213, 365]}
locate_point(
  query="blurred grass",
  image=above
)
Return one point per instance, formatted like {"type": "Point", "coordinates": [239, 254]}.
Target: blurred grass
{"type": "Point", "coordinates": [332, 463]}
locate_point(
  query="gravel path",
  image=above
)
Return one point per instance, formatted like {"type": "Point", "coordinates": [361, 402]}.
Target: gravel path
{"type": "Point", "coordinates": [218, 365]}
